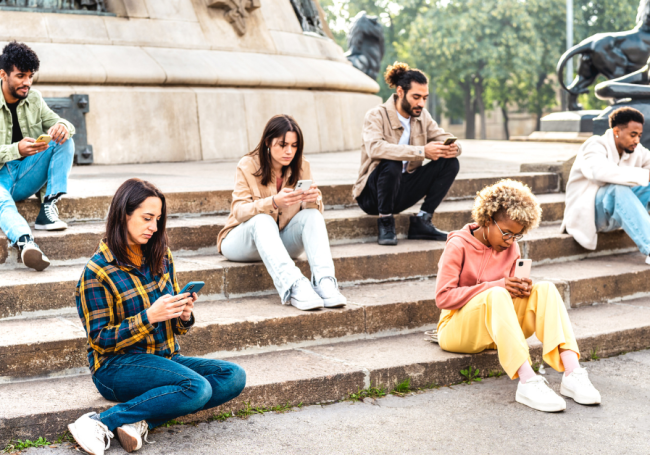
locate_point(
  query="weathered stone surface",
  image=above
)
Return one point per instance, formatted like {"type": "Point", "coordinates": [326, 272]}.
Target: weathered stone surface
{"type": "Point", "coordinates": [68, 63]}
{"type": "Point", "coordinates": [73, 28]}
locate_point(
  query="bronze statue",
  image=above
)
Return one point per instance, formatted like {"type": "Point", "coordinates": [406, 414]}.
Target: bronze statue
{"type": "Point", "coordinates": [60, 5]}
{"type": "Point", "coordinates": [309, 16]}
{"type": "Point", "coordinates": [366, 44]}
{"type": "Point", "coordinates": [635, 86]}
{"type": "Point", "coordinates": [611, 54]}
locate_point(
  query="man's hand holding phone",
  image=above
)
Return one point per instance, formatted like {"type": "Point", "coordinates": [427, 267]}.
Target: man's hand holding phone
{"type": "Point", "coordinates": [171, 306]}
{"type": "Point", "coordinates": [518, 287]}
{"type": "Point", "coordinates": [28, 147]}
{"type": "Point", "coordinates": [436, 150]}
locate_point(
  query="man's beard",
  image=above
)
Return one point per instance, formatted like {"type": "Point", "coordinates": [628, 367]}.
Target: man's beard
{"type": "Point", "coordinates": [15, 94]}
{"type": "Point", "coordinates": [406, 106]}
{"type": "Point", "coordinates": [629, 151]}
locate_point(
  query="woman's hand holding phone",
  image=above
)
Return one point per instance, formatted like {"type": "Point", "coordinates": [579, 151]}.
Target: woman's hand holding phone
{"type": "Point", "coordinates": [518, 287]}
{"type": "Point", "coordinates": [169, 307]}
{"type": "Point", "coordinates": [311, 195]}
{"type": "Point", "coordinates": [189, 307]}
{"type": "Point", "coordinates": [288, 197]}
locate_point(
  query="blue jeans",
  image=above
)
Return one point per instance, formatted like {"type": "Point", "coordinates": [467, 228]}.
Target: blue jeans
{"type": "Point", "coordinates": [21, 179]}
{"type": "Point", "coordinates": [156, 389]}
{"type": "Point", "coordinates": [627, 207]}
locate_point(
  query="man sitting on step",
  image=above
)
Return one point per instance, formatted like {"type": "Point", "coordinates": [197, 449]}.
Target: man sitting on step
{"type": "Point", "coordinates": [608, 184]}
{"type": "Point", "coordinates": [27, 165]}
{"type": "Point", "coordinates": [397, 136]}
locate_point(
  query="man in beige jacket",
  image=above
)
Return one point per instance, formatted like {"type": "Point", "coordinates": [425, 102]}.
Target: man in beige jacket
{"type": "Point", "coordinates": [397, 136]}
{"type": "Point", "coordinates": [608, 184]}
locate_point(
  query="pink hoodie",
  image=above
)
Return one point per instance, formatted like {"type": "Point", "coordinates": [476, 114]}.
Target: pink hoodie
{"type": "Point", "coordinates": [467, 268]}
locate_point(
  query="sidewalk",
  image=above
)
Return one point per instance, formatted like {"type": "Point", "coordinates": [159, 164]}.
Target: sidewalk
{"type": "Point", "coordinates": [479, 158]}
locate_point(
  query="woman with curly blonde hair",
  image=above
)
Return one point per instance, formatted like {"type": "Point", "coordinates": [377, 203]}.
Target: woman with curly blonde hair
{"type": "Point", "coordinates": [485, 307]}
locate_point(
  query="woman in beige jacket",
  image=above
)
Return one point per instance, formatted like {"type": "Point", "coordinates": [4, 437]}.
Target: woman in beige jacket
{"type": "Point", "coordinates": [273, 222]}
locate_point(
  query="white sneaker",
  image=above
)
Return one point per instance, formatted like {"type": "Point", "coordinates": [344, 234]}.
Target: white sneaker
{"type": "Point", "coordinates": [536, 393]}
{"type": "Point", "coordinates": [304, 297]}
{"type": "Point", "coordinates": [91, 435]}
{"type": "Point", "coordinates": [329, 292]}
{"type": "Point", "coordinates": [32, 255]}
{"type": "Point", "coordinates": [131, 435]}
{"type": "Point", "coordinates": [578, 386]}
{"type": "Point", "coordinates": [647, 260]}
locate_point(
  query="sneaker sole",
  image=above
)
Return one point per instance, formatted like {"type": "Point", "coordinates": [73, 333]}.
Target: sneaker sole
{"type": "Point", "coordinates": [334, 303]}
{"type": "Point", "coordinates": [568, 393]}
{"type": "Point", "coordinates": [50, 227]}
{"type": "Point", "coordinates": [307, 306]}
{"type": "Point", "coordinates": [34, 260]}
{"type": "Point", "coordinates": [73, 431]}
{"type": "Point", "coordinates": [387, 242]}
{"type": "Point", "coordinates": [128, 442]}
{"type": "Point", "coordinates": [425, 237]}
{"type": "Point", "coordinates": [548, 408]}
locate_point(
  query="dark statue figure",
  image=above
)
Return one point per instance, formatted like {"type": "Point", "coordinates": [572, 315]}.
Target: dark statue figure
{"type": "Point", "coordinates": [366, 44]}
{"type": "Point", "coordinates": [611, 54]}
{"type": "Point", "coordinates": [55, 5]}
{"type": "Point", "coordinates": [309, 16]}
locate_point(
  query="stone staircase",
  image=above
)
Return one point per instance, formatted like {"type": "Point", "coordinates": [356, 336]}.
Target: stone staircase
{"type": "Point", "coordinates": [292, 356]}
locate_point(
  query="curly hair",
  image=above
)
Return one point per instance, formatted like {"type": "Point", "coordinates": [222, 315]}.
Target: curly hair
{"type": "Point", "coordinates": [19, 55]}
{"type": "Point", "coordinates": [625, 115]}
{"type": "Point", "coordinates": [401, 75]}
{"type": "Point", "coordinates": [511, 198]}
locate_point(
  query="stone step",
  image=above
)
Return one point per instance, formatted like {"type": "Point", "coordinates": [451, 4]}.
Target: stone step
{"type": "Point", "coordinates": [192, 233]}
{"type": "Point", "coordinates": [40, 347]}
{"type": "Point", "coordinates": [324, 373]}
{"type": "Point", "coordinates": [215, 202]}
{"type": "Point", "coordinates": [26, 291]}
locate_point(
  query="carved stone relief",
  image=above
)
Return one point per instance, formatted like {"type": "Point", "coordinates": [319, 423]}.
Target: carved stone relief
{"type": "Point", "coordinates": [237, 11]}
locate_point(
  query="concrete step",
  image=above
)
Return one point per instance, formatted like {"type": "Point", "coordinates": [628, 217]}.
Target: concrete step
{"type": "Point", "coordinates": [40, 347]}
{"type": "Point", "coordinates": [324, 373]}
{"type": "Point", "coordinates": [216, 202]}
{"type": "Point", "coordinates": [192, 233]}
{"type": "Point", "coordinates": [23, 290]}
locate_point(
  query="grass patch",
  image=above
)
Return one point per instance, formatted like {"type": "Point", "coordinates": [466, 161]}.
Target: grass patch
{"type": "Point", "coordinates": [593, 355]}
{"type": "Point", "coordinates": [17, 445]}
{"type": "Point", "coordinates": [370, 392]}
{"type": "Point", "coordinates": [171, 423]}
{"type": "Point", "coordinates": [495, 374]}
{"type": "Point", "coordinates": [471, 375]}
{"type": "Point", "coordinates": [249, 410]}
{"type": "Point", "coordinates": [402, 388]}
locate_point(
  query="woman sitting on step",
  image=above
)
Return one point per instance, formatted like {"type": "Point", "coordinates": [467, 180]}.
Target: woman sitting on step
{"type": "Point", "coordinates": [273, 222]}
{"type": "Point", "coordinates": [485, 307]}
{"type": "Point", "coordinates": [128, 300]}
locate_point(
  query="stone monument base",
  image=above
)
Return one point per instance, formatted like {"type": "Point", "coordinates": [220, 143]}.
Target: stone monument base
{"type": "Point", "coordinates": [601, 123]}
{"type": "Point", "coordinates": [570, 121]}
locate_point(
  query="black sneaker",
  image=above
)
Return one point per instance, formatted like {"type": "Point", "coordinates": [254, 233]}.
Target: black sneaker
{"type": "Point", "coordinates": [386, 228]}
{"type": "Point", "coordinates": [31, 254]}
{"type": "Point", "coordinates": [420, 228]}
{"type": "Point", "coordinates": [48, 217]}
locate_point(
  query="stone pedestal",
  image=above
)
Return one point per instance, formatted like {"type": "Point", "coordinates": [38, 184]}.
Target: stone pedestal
{"type": "Point", "coordinates": [570, 121]}
{"type": "Point", "coordinates": [601, 123]}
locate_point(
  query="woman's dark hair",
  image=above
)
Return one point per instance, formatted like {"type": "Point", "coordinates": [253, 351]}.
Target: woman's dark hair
{"type": "Point", "coordinates": [20, 56]}
{"type": "Point", "coordinates": [401, 75]}
{"type": "Point", "coordinates": [625, 115]}
{"type": "Point", "coordinates": [277, 127]}
{"type": "Point", "coordinates": [128, 197]}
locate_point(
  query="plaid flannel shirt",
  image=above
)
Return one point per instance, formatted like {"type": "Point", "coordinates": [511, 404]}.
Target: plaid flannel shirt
{"type": "Point", "coordinates": [112, 299]}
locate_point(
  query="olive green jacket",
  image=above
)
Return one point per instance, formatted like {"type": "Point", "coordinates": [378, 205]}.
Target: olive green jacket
{"type": "Point", "coordinates": [35, 118]}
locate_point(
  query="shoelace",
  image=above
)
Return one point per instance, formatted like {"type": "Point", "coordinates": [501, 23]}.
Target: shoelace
{"type": "Point", "coordinates": [52, 212]}
{"type": "Point", "coordinates": [22, 245]}
{"type": "Point", "coordinates": [142, 428]}
{"type": "Point", "coordinates": [582, 377]}
{"type": "Point", "coordinates": [103, 434]}
{"type": "Point", "coordinates": [540, 385]}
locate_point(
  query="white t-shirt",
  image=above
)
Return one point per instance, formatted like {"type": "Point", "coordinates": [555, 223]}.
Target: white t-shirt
{"type": "Point", "coordinates": [406, 135]}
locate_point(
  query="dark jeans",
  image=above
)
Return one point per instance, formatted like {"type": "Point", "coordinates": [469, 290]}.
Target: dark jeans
{"type": "Point", "coordinates": [389, 191]}
{"type": "Point", "coordinates": [156, 389]}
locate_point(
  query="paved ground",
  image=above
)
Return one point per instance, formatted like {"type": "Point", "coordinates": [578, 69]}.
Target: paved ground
{"type": "Point", "coordinates": [479, 158]}
{"type": "Point", "coordinates": [478, 419]}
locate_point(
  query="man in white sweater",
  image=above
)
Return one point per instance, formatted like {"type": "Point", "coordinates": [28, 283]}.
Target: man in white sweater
{"type": "Point", "coordinates": [608, 185]}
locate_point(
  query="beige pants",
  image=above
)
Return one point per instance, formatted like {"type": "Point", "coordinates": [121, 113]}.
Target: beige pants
{"type": "Point", "coordinates": [494, 320]}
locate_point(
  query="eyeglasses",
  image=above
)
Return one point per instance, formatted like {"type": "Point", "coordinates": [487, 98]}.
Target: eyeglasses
{"type": "Point", "coordinates": [509, 236]}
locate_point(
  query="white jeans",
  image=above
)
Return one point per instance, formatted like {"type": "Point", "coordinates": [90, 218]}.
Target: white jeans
{"type": "Point", "coordinates": [260, 239]}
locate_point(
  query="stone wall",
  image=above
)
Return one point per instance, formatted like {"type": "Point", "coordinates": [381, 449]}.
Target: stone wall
{"type": "Point", "coordinates": [173, 80]}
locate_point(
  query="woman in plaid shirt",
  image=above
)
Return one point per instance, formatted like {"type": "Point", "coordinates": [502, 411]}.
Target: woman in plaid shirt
{"type": "Point", "coordinates": [128, 299]}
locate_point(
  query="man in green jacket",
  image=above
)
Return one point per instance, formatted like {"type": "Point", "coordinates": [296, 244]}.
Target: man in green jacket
{"type": "Point", "coordinates": [26, 164]}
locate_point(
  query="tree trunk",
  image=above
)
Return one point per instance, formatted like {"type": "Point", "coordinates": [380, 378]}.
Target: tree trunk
{"type": "Point", "coordinates": [470, 112]}
{"type": "Point", "coordinates": [504, 111]}
{"type": "Point", "coordinates": [478, 95]}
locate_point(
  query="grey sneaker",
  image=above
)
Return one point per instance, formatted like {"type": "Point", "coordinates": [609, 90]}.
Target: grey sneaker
{"type": "Point", "coordinates": [31, 254]}
{"type": "Point", "coordinates": [304, 297]}
{"type": "Point", "coordinates": [132, 435]}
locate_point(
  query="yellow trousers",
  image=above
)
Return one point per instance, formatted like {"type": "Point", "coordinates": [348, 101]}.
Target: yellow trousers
{"type": "Point", "coordinates": [494, 320]}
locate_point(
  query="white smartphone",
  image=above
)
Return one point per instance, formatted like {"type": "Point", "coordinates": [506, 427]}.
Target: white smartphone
{"type": "Point", "coordinates": [522, 268]}
{"type": "Point", "coordinates": [303, 185]}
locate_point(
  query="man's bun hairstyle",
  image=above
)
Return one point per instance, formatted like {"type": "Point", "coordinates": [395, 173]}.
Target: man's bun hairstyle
{"type": "Point", "coordinates": [20, 56]}
{"type": "Point", "coordinates": [401, 75]}
{"type": "Point", "coordinates": [625, 115]}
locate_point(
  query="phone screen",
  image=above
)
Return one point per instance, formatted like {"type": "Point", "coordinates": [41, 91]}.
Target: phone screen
{"type": "Point", "coordinates": [450, 140]}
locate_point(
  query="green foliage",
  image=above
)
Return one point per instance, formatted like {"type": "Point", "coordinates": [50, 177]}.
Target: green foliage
{"type": "Point", "coordinates": [249, 410]}
{"type": "Point", "coordinates": [172, 423]}
{"type": "Point", "coordinates": [19, 445]}
{"type": "Point", "coordinates": [402, 388]}
{"type": "Point", "coordinates": [471, 375]}
{"type": "Point", "coordinates": [371, 392]}
{"type": "Point", "coordinates": [495, 374]}
{"type": "Point", "coordinates": [593, 355]}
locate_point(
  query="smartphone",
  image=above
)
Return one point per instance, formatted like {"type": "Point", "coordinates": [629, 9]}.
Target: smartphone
{"type": "Point", "coordinates": [522, 268]}
{"type": "Point", "coordinates": [303, 185]}
{"type": "Point", "coordinates": [193, 286]}
{"type": "Point", "coordinates": [450, 140]}
{"type": "Point", "coordinates": [44, 138]}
